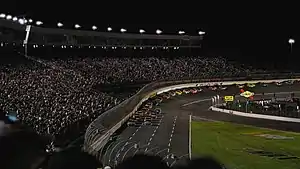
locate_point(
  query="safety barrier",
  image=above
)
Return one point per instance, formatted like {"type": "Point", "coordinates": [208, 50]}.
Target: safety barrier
{"type": "Point", "coordinates": [259, 116]}
{"type": "Point", "coordinates": [102, 128]}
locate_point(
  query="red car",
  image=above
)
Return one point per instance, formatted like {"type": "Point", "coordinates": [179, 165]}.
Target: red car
{"type": "Point", "coordinates": [194, 91]}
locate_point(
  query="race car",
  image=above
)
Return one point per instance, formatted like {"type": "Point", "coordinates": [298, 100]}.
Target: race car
{"type": "Point", "coordinates": [130, 123]}
{"type": "Point", "coordinates": [166, 96]}
{"type": "Point", "coordinates": [137, 114]}
{"type": "Point", "coordinates": [194, 91]}
{"type": "Point", "coordinates": [240, 86]}
{"type": "Point", "coordinates": [157, 111]}
{"type": "Point", "coordinates": [186, 91]}
{"type": "Point", "coordinates": [223, 87]}
{"type": "Point", "coordinates": [265, 85]}
{"type": "Point", "coordinates": [158, 100]}
{"type": "Point", "coordinates": [199, 89]}
{"type": "Point", "coordinates": [173, 93]}
{"type": "Point", "coordinates": [289, 82]}
{"type": "Point", "coordinates": [145, 109]}
{"type": "Point", "coordinates": [278, 83]}
{"type": "Point", "coordinates": [149, 105]}
{"type": "Point", "coordinates": [213, 88]}
{"type": "Point", "coordinates": [147, 123]}
{"type": "Point", "coordinates": [178, 92]}
{"type": "Point", "coordinates": [251, 85]}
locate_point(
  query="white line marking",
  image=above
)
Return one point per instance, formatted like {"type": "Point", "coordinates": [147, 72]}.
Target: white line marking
{"type": "Point", "coordinates": [112, 150]}
{"type": "Point", "coordinates": [168, 150]}
{"type": "Point", "coordinates": [190, 137]}
{"type": "Point", "coordinates": [150, 139]}
{"type": "Point", "coordinates": [127, 152]}
{"type": "Point", "coordinates": [133, 134]}
{"type": "Point", "coordinates": [169, 144]}
{"type": "Point", "coordinates": [148, 143]}
{"type": "Point", "coordinates": [146, 149]}
{"type": "Point", "coordinates": [130, 138]}
{"type": "Point", "coordinates": [172, 134]}
{"type": "Point", "coordinates": [197, 101]}
{"type": "Point", "coordinates": [153, 148]}
{"type": "Point", "coordinates": [153, 133]}
{"type": "Point", "coordinates": [178, 159]}
{"type": "Point", "coordinates": [167, 156]}
{"type": "Point", "coordinates": [161, 151]}
{"type": "Point", "coordinates": [170, 139]}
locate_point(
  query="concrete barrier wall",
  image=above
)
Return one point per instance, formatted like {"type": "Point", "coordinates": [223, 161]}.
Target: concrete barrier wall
{"type": "Point", "coordinates": [259, 116]}
{"type": "Point", "coordinates": [110, 121]}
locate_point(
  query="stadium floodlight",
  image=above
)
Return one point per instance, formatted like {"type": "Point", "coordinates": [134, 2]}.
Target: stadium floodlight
{"type": "Point", "coordinates": [38, 23]}
{"type": "Point", "coordinates": [25, 21]}
{"type": "Point", "coordinates": [123, 30]}
{"type": "Point", "coordinates": [21, 21]}
{"type": "Point", "coordinates": [8, 17]}
{"type": "Point", "coordinates": [201, 33]}
{"type": "Point", "coordinates": [59, 24]}
{"type": "Point", "coordinates": [291, 42]}
{"type": "Point", "coordinates": [30, 20]}
{"type": "Point", "coordinates": [77, 26]}
{"type": "Point", "coordinates": [109, 29]}
{"type": "Point", "coordinates": [2, 15]}
{"type": "Point", "coordinates": [107, 167]}
{"type": "Point", "coordinates": [142, 31]}
{"type": "Point", "coordinates": [181, 32]}
{"type": "Point", "coordinates": [158, 31]}
{"type": "Point", "coordinates": [94, 27]}
{"type": "Point", "coordinates": [15, 18]}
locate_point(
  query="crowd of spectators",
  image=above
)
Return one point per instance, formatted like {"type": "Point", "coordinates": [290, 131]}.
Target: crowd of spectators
{"type": "Point", "coordinates": [50, 95]}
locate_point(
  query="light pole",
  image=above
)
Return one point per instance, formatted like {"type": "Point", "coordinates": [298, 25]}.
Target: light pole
{"type": "Point", "coordinates": [291, 42]}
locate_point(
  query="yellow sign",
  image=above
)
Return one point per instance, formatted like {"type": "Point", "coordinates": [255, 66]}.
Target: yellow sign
{"type": "Point", "coordinates": [228, 98]}
{"type": "Point", "coordinates": [247, 94]}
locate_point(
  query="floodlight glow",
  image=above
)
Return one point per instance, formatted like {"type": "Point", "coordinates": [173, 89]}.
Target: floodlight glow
{"type": "Point", "coordinates": [30, 20]}
{"type": "Point", "coordinates": [123, 30]}
{"type": "Point", "coordinates": [201, 33]}
{"type": "Point", "coordinates": [21, 21]}
{"type": "Point", "coordinates": [8, 17]}
{"type": "Point", "coordinates": [142, 31]}
{"type": "Point", "coordinates": [291, 41]}
{"type": "Point", "coordinates": [15, 18]}
{"type": "Point", "coordinates": [59, 24]}
{"type": "Point", "coordinates": [77, 26]}
{"type": "Point", "coordinates": [38, 22]}
{"type": "Point", "coordinates": [2, 15]}
{"type": "Point", "coordinates": [25, 21]}
{"type": "Point", "coordinates": [158, 31]}
{"type": "Point", "coordinates": [109, 29]}
{"type": "Point", "coordinates": [181, 32]}
{"type": "Point", "coordinates": [94, 27]}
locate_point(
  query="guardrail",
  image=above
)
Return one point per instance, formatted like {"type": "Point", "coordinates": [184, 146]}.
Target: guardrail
{"type": "Point", "coordinates": [100, 130]}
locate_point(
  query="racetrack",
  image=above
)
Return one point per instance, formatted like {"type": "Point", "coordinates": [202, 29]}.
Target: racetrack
{"type": "Point", "coordinates": [171, 136]}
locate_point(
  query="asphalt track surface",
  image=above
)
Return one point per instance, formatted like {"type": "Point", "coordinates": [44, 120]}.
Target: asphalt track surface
{"type": "Point", "coordinates": [170, 139]}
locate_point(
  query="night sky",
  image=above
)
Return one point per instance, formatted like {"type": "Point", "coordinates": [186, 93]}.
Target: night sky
{"type": "Point", "coordinates": [248, 30]}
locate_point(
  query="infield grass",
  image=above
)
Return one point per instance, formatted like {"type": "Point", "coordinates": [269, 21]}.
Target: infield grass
{"type": "Point", "coordinates": [242, 147]}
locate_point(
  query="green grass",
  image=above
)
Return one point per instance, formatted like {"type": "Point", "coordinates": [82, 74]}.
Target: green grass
{"type": "Point", "coordinates": [227, 143]}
